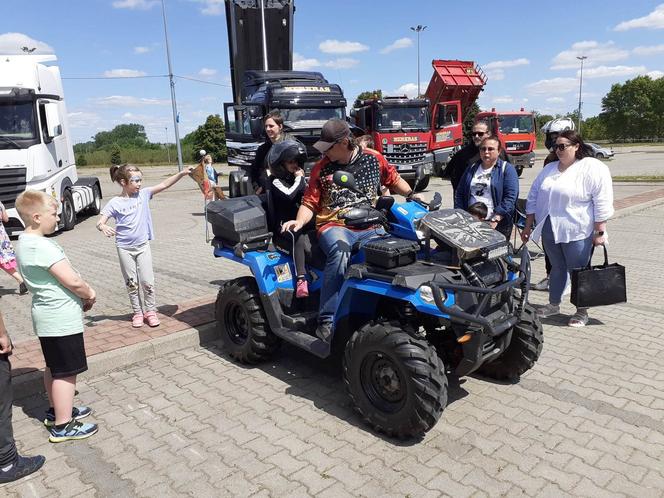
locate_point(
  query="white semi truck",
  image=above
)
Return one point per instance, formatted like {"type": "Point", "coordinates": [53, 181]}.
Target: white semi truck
{"type": "Point", "coordinates": [35, 144]}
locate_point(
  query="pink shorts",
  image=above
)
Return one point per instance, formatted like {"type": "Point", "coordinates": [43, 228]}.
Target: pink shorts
{"type": "Point", "coordinates": [8, 265]}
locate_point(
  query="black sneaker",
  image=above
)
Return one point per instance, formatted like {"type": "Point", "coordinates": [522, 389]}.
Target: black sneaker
{"type": "Point", "coordinates": [72, 431]}
{"type": "Point", "coordinates": [77, 413]}
{"type": "Point", "coordinates": [23, 466]}
{"type": "Point", "coordinates": [22, 289]}
{"type": "Point", "coordinates": [324, 331]}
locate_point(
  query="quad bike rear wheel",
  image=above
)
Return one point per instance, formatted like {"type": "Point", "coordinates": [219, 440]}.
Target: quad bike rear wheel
{"type": "Point", "coordinates": [397, 382]}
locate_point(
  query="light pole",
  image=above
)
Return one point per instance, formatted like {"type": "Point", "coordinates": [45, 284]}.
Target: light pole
{"type": "Point", "coordinates": [173, 102]}
{"type": "Point", "coordinates": [418, 29]}
{"type": "Point", "coordinates": [581, 58]}
{"type": "Point", "coordinates": [168, 151]}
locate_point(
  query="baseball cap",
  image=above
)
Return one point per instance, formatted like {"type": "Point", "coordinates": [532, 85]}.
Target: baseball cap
{"type": "Point", "coordinates": [333, 130]}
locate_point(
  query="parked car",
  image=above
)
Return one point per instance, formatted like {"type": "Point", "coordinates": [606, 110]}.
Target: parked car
{"type": "Point", "coordinates": [600, 152]}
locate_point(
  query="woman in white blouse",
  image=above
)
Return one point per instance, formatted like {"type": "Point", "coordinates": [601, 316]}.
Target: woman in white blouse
{"type": "Point", "coordinates": [571, 201]}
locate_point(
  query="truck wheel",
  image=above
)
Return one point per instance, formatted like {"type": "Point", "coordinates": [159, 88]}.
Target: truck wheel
{"type": "Point", "coordinates": [519, 171]}
{"type": "Point", "coordinates": [423, 184]}
{"type": "Point", "coordinates": [68, 211]}
{"type": "Point", "coordinates": [522, 352]}
{"type": "Point", "coordinates": [241, 322]}
{"type": "Point", "coordinates": [95, 207]}
{"type": "Point", "coordinates": [396, 382]}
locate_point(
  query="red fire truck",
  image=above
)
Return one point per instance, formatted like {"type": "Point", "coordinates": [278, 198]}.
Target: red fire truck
{"type": "Point", "coordinates": [516, 131]}
{"type": "Point", "coordinates": [410, 132]}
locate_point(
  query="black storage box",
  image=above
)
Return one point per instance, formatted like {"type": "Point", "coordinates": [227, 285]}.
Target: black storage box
{"type": "Point", "coordinates": [240, 220]}
{"type": "Point", "coordinates": [390, 252]}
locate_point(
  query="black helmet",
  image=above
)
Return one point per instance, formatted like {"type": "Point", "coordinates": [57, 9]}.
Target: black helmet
{"type": "Point", "coordinates": [288, 150]}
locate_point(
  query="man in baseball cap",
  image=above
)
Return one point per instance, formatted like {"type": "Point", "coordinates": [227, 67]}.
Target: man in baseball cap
{"type": "Point", "coordinates": [333, 130]}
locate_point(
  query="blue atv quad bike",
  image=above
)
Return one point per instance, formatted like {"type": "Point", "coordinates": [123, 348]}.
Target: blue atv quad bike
{"type": "Point", "coordinates": [438, 295]}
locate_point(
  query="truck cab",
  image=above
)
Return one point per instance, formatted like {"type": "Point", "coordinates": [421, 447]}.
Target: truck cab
{"type": "Point", "coordinates": [35, 144]}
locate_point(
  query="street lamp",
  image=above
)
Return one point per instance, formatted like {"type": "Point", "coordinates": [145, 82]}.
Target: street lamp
{"type": "Point", "coordinates": [173, 102]}
{"type": "Point", "coordinates": [581, 58]}
{"type": "Point", "coordinates": [168, 151]}
{"type": "Point", "coordinates": [418, 29]}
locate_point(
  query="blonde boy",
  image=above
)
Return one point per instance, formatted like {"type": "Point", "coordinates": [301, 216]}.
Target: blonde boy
{"type": "Point", "coordinates": [59, 295]}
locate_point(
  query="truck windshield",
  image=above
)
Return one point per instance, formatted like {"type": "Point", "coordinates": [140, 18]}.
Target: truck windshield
{"type": "Point", "coordinates": [311, 114]}
{"type": "Point", "coordinates": [17, 121]}
{"type": "Point", "coordinates": [397, 118]}
{"type": "Point", "coordinates": [516, 123]}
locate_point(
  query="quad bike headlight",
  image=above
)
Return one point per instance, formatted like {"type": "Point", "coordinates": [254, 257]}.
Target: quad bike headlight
{"type": "Point", "coordinates": [426, 294]}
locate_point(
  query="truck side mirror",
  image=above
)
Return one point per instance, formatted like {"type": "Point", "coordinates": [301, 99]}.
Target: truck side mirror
{"type": "Point", "coordinates": [53, 124]}
{"type": "Point", "coordinates": [256, 127]}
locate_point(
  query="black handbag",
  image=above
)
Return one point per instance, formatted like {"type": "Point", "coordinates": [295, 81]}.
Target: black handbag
{"type": "Point", "coordinates": [599, 285]}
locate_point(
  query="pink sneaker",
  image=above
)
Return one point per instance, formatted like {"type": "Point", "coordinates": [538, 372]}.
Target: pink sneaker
{"type": "Point", "coordinates": [302, 288]}
{"type": "Point", "coordinates": [137, 320]}
{"type": "Point", "coordinates": [151, 317]}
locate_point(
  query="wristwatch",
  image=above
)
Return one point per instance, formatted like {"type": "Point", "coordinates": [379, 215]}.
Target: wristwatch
{"type": "Point", "coordinates": [598, 233]}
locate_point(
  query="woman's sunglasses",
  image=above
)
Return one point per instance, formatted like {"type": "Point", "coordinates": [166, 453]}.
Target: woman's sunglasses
{"type": "Point", "coordinates": [562, 147]}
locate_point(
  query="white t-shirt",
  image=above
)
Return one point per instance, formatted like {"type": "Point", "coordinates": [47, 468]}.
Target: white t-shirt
{"type": "Point", "coordinates": [480, 189]}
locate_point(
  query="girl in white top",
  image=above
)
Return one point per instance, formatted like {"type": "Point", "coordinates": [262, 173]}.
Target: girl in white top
{"type": "Point", "coordinates": [571, 201]}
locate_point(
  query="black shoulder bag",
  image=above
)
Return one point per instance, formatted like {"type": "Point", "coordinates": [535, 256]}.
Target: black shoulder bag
{"type": "Point", "coordinates": [599, 285]}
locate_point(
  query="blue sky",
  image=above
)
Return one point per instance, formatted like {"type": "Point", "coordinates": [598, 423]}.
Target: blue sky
{"type": "Point", "coordinates": [528, 49]}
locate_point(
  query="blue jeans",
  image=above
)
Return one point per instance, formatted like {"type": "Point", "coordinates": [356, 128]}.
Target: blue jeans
{"type": "Point", "coordinates": [337, 244]}
{"type": "Point", "coordinates": [564, 257]}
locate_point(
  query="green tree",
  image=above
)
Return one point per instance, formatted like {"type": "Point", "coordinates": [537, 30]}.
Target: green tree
{"type": "Point", "coordinates": [81, 161]}
{"type": "Point", "coordinates": [593, 128]}
{"type": "Point", "coordinates": [369, 94]}
{"type": "Point", "coordinates": [124, 135]}
{"type": "Point", "coordinates": [116, 154]}
{"type": "Point", "coordinates": [634, 109]}
{"type": "Point", "coordinates": [211, 136]}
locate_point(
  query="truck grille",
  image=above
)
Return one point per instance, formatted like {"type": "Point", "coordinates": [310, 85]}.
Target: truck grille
{"type": "Point", "coordinates": [405, 153]}
{"type": "Point", "coordinates": [12, 183]}
{"type": "Point", "coordinates": [517, 146]}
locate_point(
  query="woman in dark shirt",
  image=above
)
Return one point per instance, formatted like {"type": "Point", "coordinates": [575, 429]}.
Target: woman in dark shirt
{"type": "Point", "coordinates": [274, 129]}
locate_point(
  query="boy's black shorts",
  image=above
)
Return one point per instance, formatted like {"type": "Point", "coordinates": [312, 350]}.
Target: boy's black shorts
{"type": "Point", "coordinates": [64, 356]}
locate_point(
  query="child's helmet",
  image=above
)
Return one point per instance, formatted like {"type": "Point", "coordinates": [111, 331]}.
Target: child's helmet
{"type": "Point", "coordinates": [553, 128]}
{"type": "Point", "coordinates": [288, 150]}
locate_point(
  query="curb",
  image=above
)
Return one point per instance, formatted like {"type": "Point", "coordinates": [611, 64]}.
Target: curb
{"type": "Point", "coordinates": [637, 207]}
{"type": "Point", "coordinates": [31, 383]}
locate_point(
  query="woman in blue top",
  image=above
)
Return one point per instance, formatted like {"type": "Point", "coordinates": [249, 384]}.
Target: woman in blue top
{"type": "Point", "coordinates": [493, 182]}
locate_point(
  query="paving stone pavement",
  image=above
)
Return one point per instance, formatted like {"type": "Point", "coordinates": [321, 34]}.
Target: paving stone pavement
{"type": "Point", "coordinates": [588, 420]}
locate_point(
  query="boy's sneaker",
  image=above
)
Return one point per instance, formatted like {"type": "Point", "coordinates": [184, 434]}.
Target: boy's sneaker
{"type": "Point", "coordinates": [72, 431]}
{"type": "Point", "coordinates": [22, 466]}
{"type": "Point", "coordinates": [151, 318]}
{"type": "Point", "coordinates": [548, 310]}
{"type": "Point", "coordinates": [542, 285]}
{"type": "Point", "coordinates": [137, 320]}
{"type": "Point", "coordinates": [302, 288]}
{"type": "Point", "coordinates": [77, 413]}
{"type": "Point", "coordinates": [22, 289]}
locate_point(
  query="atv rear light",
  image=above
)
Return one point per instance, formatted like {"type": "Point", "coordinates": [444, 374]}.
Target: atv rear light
{"type": "Point", "coordinates": [426, 294]}
{"type": "Point", "coordinates": [464, 338]}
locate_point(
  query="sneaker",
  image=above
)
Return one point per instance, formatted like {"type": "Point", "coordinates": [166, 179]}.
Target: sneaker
{"type": "Point", "coordinates": [548, 310]}
{"type": "Point", "coordinates": [72, 431]}
{"type": "Point", "coordinates": [22, 466]}
{"type": "Point", "coordinates": [77, 413]}
{"type": "Point", "coordinates": [151, 317]}
{"type": "Point", "coordinates": [302, 288]}
{"type": "Point", "coordinates": [568, 289]}
{"type": "Point", "coordinates": [578, 319]}
{"type": "Point", "coordinates": [324, 331]}
{"type": "Point", "coordinates": [542, 285]}
{"type": "Point", "coordinates": [137, 320]}
{"type": "Point", "coordinates": [22, 289]}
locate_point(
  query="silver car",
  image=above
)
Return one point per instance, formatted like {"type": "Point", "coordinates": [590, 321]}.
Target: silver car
{"type": "Point", "coordinates": [600, 152]}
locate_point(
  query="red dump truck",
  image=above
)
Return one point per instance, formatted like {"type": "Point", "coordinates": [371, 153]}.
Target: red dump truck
{"type": "Point", "coordinates": [424, 130]}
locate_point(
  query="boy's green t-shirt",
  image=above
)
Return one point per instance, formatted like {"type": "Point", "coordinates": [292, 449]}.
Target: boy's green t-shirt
{"type": "Point", "coordinates": [56, 311]}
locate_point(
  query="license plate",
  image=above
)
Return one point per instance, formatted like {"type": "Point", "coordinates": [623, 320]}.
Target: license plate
{"type": "Point", "coordinates": [404, 167]}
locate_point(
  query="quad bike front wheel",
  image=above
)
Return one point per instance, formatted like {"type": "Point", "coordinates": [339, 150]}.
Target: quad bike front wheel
{"type": "Point", "coordinates": [397, 382]}
{"type": "Point", "coordinates": [523, 351]}
{"type": "Point", "coordinates": [241, 322]}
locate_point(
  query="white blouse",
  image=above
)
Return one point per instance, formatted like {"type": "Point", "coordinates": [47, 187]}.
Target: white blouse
{"type": "Point", "coordinates": [573, 200]}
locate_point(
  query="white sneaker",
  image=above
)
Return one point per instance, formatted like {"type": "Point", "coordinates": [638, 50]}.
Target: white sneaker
{"type": "Point", "coordinates": [542, 285]}
{"type": "Point", "coordinates": [548, 310]}
{"type": "Point", "coordinates": [567, 290]}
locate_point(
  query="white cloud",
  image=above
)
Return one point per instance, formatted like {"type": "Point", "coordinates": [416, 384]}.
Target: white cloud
{"type": "Point", "coordinates": [12, 43]}
{"type": "Point", "coordinates": [655, 74]}
{"type": "Point", "coordinates": [342, 63]}
{"type": "Point", "coordinates": [556, 100]}
{"type": "Point", "coordinates": [409, 90]}
{"type": "Point", "coordinates": [211, 7]}
{"type": "Point", "coordinates": [596, 53]}
{"type": "Point", "coordinates": [495, 75]}
{"type": "Point", "coordinates": [301, 63]}
{"type": "Point", "coordinates": [611, 71]}
{"type": "Point", "coordinates": [654, 20]}
{"type": "Point", "coordinates": [206, 72]}
{"type": "Point", "coordinates": [128, 101]}
{"type": "Point", "coordinates": [142, 50]}
{"type": "Point", "coordinates": [650, 50]}
{"type": "Point", "coordinates": [400, 43]}
{"type": "Point", "coordinates": [341, 47]}
{"type": "Point", "coordinates": [506, 99]}
{"type": "Point", "coordinates": [83, 119]}
{"type": "Point", "coordinates": [505, 64]}
{"type": "Point", "coordinates": [554, 85]}
{"type": "Point", "coordinates": [123, 73]}
{"type": "Point", "coordinates": [135, 4]}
